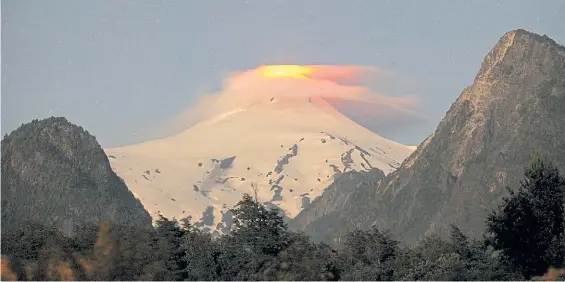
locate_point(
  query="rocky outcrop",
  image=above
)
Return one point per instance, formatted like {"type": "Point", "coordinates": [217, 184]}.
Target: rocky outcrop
{"type": "Point", "coordinates": [513, 111]}
{"type": "Point", "coordinates": [56, 173]}
{"type": "Point", "coordinates": [325, 214]}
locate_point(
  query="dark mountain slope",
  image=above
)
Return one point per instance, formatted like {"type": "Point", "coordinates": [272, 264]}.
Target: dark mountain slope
{"type": "Point", "coordinates": [514, 110]}
{"type": "Point", "coordinates": [326, 212]}
{"type": "Point", "coordinates": [56, 173]}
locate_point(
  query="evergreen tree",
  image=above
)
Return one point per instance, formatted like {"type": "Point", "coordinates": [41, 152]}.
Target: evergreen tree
{"type": "Point", "coordinates": [202, 256]}
{"type": "Point", "coordinates": [258, 234]}
{"type": "Point", "coordinates": [302, 260]}
{"type": "Point", "coordinates": [459, 242]}
{"type": "Point", "coordinates": [172, 243]}
{"type": "Point", "coordinates": [529, 225]}
{"type": "Point", "coordinates": [369, 255]}
{"type": "Point", "coordinates": [259, 227]}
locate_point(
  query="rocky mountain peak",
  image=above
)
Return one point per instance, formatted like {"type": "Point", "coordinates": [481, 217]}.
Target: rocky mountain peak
{"type": "Point", "coordinates": [56, 173]}
{"type": "Point", "coordinates": [517, 55]}
{"type": "Point", "coordinates": [517, 45]}
{"type": "Point", "coordinates": [513, 110]}
{"type": "Point", "coordinates": [523, 67]}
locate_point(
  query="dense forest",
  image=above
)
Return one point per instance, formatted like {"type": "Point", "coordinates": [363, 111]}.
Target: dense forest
{"type": "Point", "coordinates": [525, 239]}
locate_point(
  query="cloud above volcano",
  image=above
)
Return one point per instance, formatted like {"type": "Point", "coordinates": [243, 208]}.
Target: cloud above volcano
{"type": "Point", "coordinates": [345, 87]}
{"type": "Point", "coordinates": [329, 82]}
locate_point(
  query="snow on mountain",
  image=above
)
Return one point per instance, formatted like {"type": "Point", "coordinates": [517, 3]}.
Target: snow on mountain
{"type": "Point", "coordinates": [292, 147]}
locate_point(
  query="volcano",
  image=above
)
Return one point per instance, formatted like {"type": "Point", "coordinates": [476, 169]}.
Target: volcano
{"type": "Point", "coordinates": [290, 147]}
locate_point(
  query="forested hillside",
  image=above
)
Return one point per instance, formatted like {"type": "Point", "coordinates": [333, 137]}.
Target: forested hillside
{"type": "Point", "coordinates": [525, 239]}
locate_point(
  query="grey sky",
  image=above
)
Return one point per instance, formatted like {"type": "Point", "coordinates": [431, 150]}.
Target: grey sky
{"type": "Point", "coordinates": [121, 68]}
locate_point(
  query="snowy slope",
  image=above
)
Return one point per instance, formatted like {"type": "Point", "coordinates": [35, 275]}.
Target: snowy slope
{"type": "Point", "coordinates": [292, 148]}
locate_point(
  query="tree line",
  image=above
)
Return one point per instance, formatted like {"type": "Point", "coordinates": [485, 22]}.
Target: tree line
{"type": "Point", "coordinates": [525, 239]}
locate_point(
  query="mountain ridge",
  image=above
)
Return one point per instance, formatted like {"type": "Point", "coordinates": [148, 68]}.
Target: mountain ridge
{"type": "Point", "coordinates": [456, 175]}
{"type": "Point", "coordinates": [292, 148]}
{"type": "Point", "coordinates": [56, 173]}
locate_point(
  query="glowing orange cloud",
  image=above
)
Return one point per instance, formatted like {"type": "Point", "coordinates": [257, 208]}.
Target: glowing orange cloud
{"type": "Point", "coordinates": [341, 74]}
{"type": "Point", "coordinates": [292, 71]}
{"type": "Point", "coordinates": [336, 84]}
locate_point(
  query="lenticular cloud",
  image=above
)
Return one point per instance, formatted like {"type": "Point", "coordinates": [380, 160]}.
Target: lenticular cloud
{"type": "Point", "coordinates": [336, 84]}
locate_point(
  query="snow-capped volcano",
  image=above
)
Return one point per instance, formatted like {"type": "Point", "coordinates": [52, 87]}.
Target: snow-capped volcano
{"type": "Point", "coordinates": [292, 147]}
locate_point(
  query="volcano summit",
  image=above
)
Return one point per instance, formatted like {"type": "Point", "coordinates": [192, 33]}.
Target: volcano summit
{"type": "Point", "coordinates": [278, 132]}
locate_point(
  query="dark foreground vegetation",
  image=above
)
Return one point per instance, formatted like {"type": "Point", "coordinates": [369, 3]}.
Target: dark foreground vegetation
{"type": "Point", "coordinates": [525, 238]}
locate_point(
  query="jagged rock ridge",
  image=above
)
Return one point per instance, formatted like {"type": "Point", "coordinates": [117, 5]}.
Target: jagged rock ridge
{"type": "Point", "coordinates": [513, 111]}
